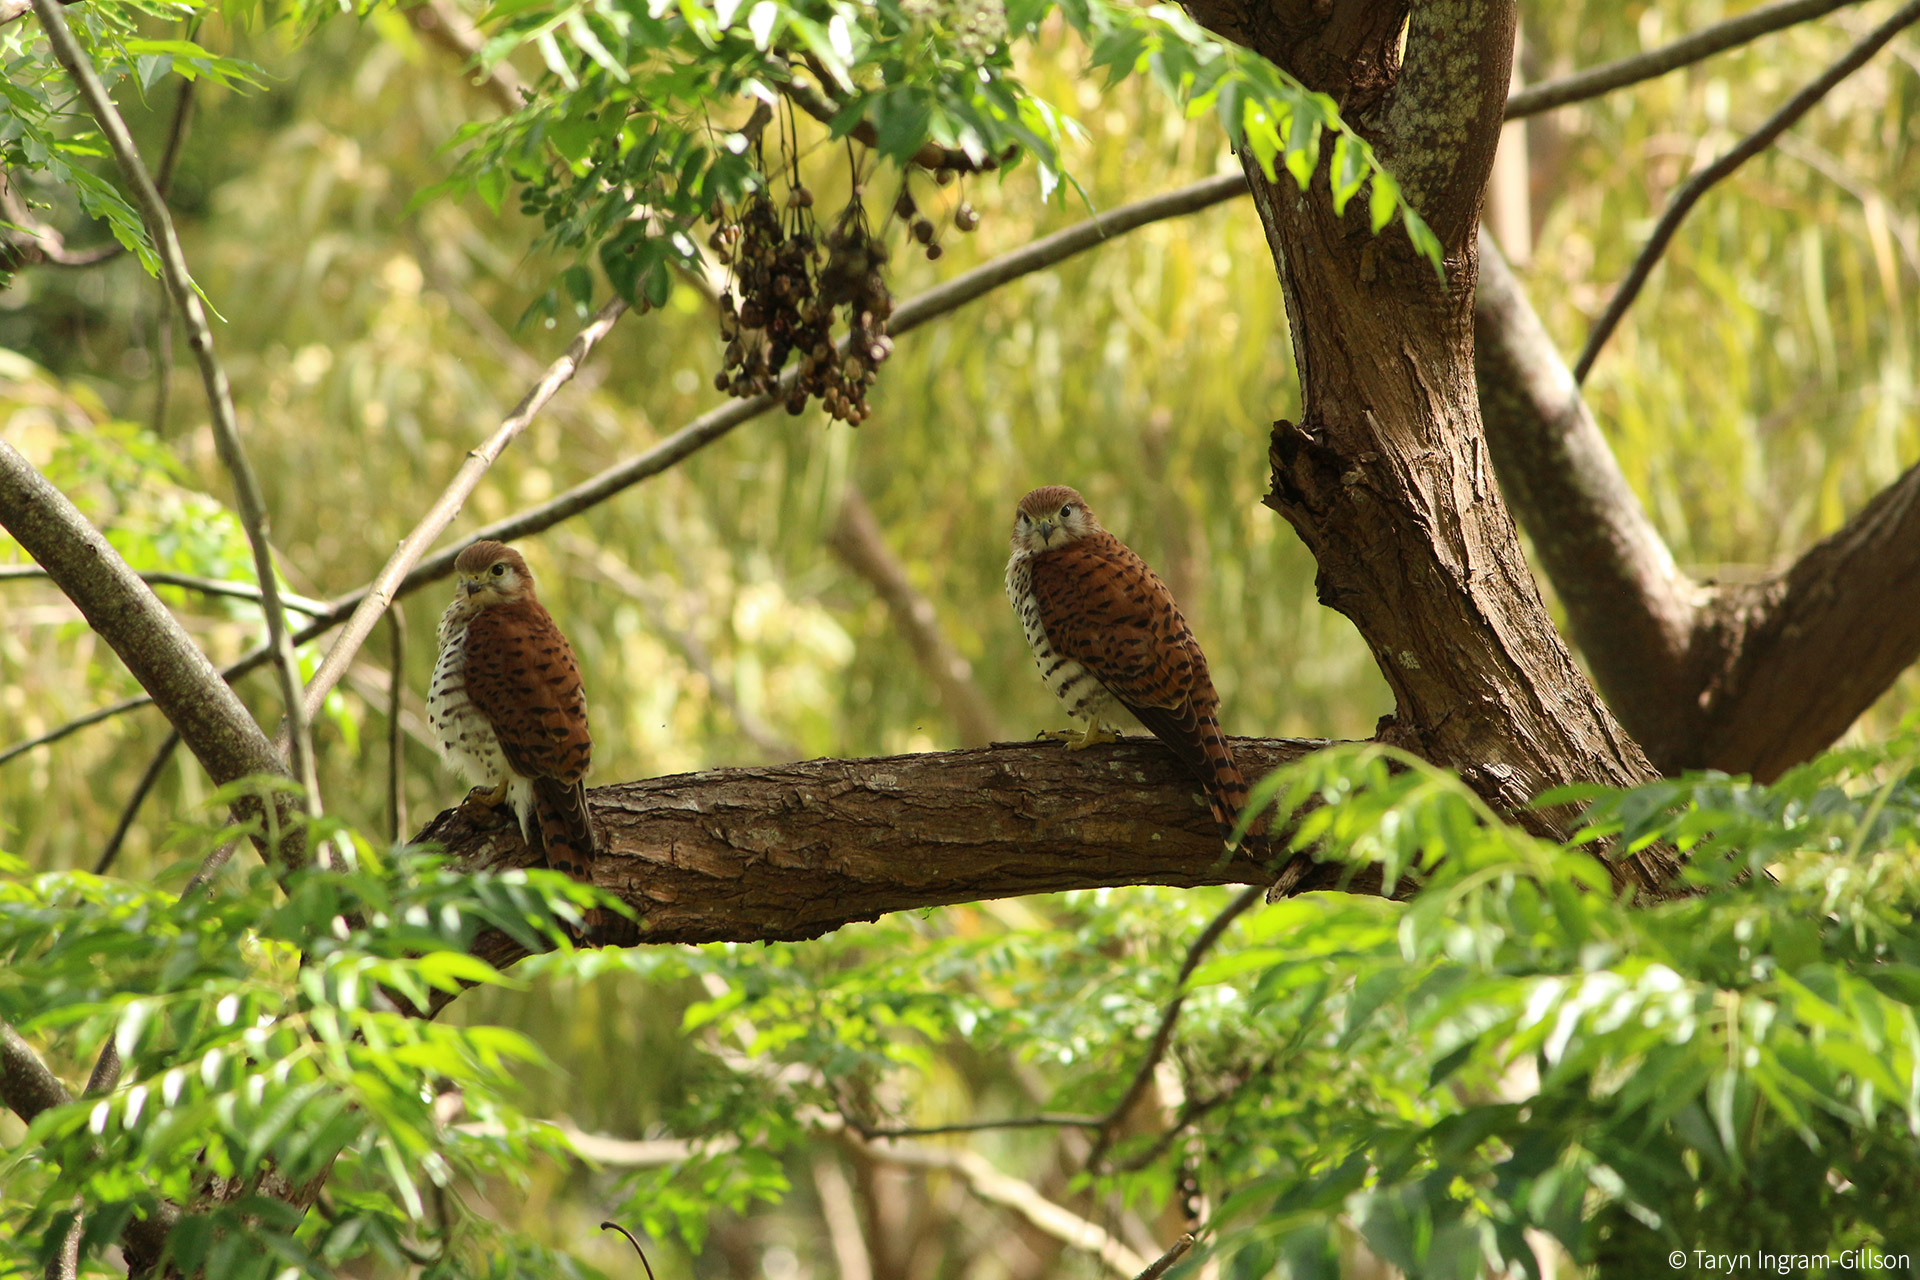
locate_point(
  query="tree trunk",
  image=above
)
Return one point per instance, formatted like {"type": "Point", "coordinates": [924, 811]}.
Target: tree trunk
{"type": "Point", "coordinates": [1386, 477]}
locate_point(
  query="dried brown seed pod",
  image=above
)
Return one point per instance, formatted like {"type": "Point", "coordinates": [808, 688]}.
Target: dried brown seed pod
{"type": "Point", "coordinates": [965, 217]}
{"type": "Point", "coordinates": [933, 252]}
{"type": "Point", "coordinates": [945, 177]}
{"type": "Point", "coordinates": [923, 230]}
{"type": "Point", "coordinates": [904, 207]}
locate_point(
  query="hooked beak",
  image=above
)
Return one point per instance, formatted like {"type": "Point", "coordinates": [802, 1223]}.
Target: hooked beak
{"type": "Point", "coordinates": [1045, 530]}
{"type": "Point", "coordinates": [472, 586]}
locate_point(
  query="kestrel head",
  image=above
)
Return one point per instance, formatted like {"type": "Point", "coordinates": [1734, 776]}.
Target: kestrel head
{"type": "Point", "coordinates": [1051, 517]}
{"type": "Point", "coordinates": [490, 573]}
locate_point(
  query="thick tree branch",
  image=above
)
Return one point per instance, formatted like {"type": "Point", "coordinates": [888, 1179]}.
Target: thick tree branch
{"type": "Point", "coordinates": [1689, 49]}
{"type": "Point", "coordinates": [1747, 678]}
{"type": "Point", "coordinates": [27, 1086]}
{"type": "Point", "coordinates": [793, 851]}
{"type": "Point", "coordinates": [249, 504]}
{"type": "Point", "coordinates": [857, 540]}
{"type": "Point", "coordinates": [1632, 611]}
{"type": "Point", "coordinates": [1436, 135]}
{"type": "Point", "coordinates": [124, 611]}
{"type": "Point", "coordinates": [1699, 184]}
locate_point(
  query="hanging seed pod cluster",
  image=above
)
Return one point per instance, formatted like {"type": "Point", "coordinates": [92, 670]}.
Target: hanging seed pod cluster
{"type": "Point", "coordinates": [791, 296]}
{"type": "Point", "coordinates": [822, 299]}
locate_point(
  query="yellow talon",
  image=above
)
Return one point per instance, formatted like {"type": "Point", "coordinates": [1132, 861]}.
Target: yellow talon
{"type": "Point", "coordinates": [1080, 739]}
{"type": "Point", "coordinates": [493, 797]}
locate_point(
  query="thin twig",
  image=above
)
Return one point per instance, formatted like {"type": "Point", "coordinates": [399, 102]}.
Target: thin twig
{"type": "Point", "coordinates": [718, 422]}
{"type": "Point", "coordinates": [1685, 51]}
{"type": "Point", "coordinates": [989, 1183]}
{"type": "Point", "coordinates": [162, 361]}
{"type": "Point", "coordinates": [614, 1226]}
{"type": "Point", "coordinates": [188, 582]}
{"type": "Point", "coordinates": [931, 155]}
{"type": "Point", "coordinates": [1045, 1120]}
{"type": "Point", "coordinates": [375, 599]}
{"type": "Point", "coordinates": [251, 507]}
{"type": "Point", "coordinates": [1163, 1036]}
{"type": "Point", "coordinates": [1699, 184]}
{"type": "Point", "coordinates": [396, 738]}
{"type": "Point", "coordinates": [155, 767]}
{"type": "Point", "coordinates": [1164, 1263]}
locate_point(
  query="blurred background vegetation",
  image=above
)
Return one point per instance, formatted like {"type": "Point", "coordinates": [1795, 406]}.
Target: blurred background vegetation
{"type": "Point", "coordinates": [1761, 389]}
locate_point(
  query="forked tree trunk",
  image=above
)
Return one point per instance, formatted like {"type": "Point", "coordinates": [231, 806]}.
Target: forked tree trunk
{"type": "Point", "coordinates": [1387, 477]}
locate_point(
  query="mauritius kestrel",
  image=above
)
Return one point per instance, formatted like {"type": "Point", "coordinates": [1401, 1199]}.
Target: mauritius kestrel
{"type": "Point", "coordinates": [1107, 635]}
{"type": "Point", "coordinates": [507, 706]}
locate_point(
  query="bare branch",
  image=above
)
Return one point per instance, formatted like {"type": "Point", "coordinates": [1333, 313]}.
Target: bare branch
{"type": "Point", "coordinates": [251, 507]}
{"type": "Point", "coordinates": [1164, 1263]}
{"type": "Point", "coordinates": [124, 611]}
{"type": "Point", "coordinates": [27, 1086]}
{"type": "Point", "coordinates": [1742, 677]}
{"type": "Point", "coordinates": [843, 1219]}
{"type": "Point", "coordinates": [857, 540]}
{"type": "Point", "coordinates": [1045, 1120]}
{"type": "Point", "coordinates": [1169, 1017]}
{"type": "Point", "coordinates": [1632, 611]}
{"type": "Point", "coordinates": [188, 582]}
{"type": "Point", "coordinates": [97, 716]}
{"type": "Point", "coordinates": [1003, 1189]}
{"type": "Point", "coordinates": [1700, 183]}
{"type": "Point", "coordinates": [155, 767]}
{"type": "Point", "coordinates": [396, 735]}
{"type": "Point", "coordinates": [1683, 52]}
{"type": "Point", "coordinates": [370, 603]}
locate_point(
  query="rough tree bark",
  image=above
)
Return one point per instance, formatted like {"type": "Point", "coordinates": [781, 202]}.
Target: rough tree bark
{"type": "Point", "coordinates": [1745, 677]}
{"type": "Point", "coordinates": [788, 852]}
{"type": "Point", "coordinates": [1386, 477]}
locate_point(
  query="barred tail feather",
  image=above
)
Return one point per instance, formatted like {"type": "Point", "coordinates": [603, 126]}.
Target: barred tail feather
{"type": "Point", "coordinates": [1194, 734]}
{"type": "Point", "coordinates": [567, 839]}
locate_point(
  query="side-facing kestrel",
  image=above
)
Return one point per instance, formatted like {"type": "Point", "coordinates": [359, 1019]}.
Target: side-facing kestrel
{"type": "Point", "coordinates": [508, 709]}
{"type": "Point", "coordinates": [1107, 634]}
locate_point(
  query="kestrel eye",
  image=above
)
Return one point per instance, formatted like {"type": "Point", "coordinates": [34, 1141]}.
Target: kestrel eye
{"type": "Point", "coordinates": [1066, 511]}
{"type": "Point", "coordinates": [499, 569]}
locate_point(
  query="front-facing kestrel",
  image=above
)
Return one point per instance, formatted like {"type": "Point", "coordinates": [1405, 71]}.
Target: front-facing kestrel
{"type": "Point", "coordinates": [508, 709]}
{"type": "Point", "coordinates": [1107, 634]}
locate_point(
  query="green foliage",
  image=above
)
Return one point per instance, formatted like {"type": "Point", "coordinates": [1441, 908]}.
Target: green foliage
{"type": "Point", "coordinates": [645, 106]}
{"type": "Point", "coordinates": [1514, 1050]}
{"type": "Point", "coordinates": [37, 132]}
{"type": "Point", "coordinates": [264, 1032]}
